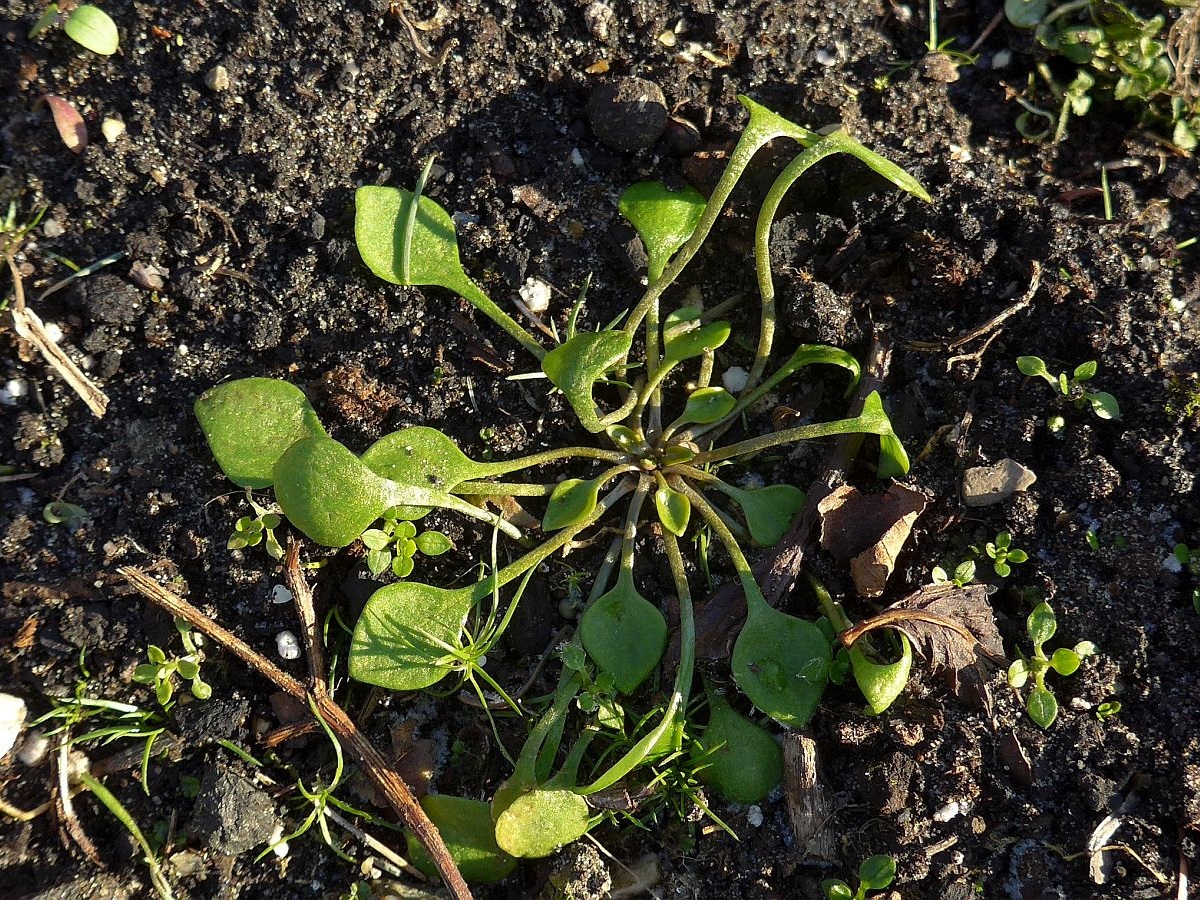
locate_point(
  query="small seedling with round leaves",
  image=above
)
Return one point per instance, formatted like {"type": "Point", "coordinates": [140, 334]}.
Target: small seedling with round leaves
{"type": "Point", "coordinates": [250, 531]}
{"type": "Point", "coordinates": [1041, 704]}
{"type": "Point", "coordinates": [396, 542]}
{"type": "Point", "coordinates": [964, 574]}
{"type": "Point", "coordinates": [1102, 403]}
{"type": "Point", "coordinates": [874, 874]}
{"type": "Point", "coordinates": [1003, 554]}
{"type": "Point", "coordinates": [161, 670]}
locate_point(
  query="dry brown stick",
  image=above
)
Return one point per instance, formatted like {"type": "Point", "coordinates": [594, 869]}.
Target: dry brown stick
{"type": "Point", "coordinates": [776, 571]}
{"type": "Point", "coordinates": [390, 784]}
{"type": "Point", "coordinates": [29, 327]}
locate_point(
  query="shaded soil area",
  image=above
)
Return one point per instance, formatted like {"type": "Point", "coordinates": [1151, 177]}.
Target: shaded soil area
{"type": "Point", "coordinates": [239, 185]}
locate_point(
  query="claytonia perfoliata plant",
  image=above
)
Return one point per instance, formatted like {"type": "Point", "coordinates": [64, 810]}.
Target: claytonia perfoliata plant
{"type": "Point", "coordinates": [656, 451]}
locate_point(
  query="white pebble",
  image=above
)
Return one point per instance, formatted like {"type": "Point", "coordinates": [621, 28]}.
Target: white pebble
{"type": "Point", "coordinates": [576, 158]}
{"type": "Point", "coordinates": [754, 817]}
{"type": "Point", "coordinates": [1171, 564]}
{"type": "Point", "coordinates": [12, 719]}
{"type": "Point", "coordinates": [735, 378]}
{"type": "Point", "coordinates": [287, 645]}
{"type": "Point", "coordinates": [112, 129]}
{"type": "Point", "coordinates": [280, 594]}
{"type": "Point", "coordinates": [948, 812]}
{"type": "Point", "coordinates": [34, 748]}
{"type": "Point", "coordinates": [1001, 59]}
{"type": "Point", "coordinates": [536, 295]}
{"type": "Point", "coordinates": [183, 349]}
{"type": "Point", "coordinates": [53, 332]}
{"type": "Point", "coordinates": [13, 391]}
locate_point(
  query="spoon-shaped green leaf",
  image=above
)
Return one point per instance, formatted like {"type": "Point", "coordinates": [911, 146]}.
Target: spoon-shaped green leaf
{"type": "Point", "coordinates": [250, 422]}
{"type": "Point", "coordinates": [740, 759]}
{"type": "Point", "coordinates": [399, 639]}
{"type": "Point", "coordinates": [421, 249]}
{"type": "Point", "coordinates": [768, 511]}
{"type": "Point", "coordinates": [881, 684]}
{"type": "Point", "coordinates": [91, 27]}
{"type": "Point", "coordinates": [706, 405]}
{"type": "Point", "coordinates": [684, 337]}
{"type": "Point", "coordinates": [572, 501]}
{"type": "Point", "coordinates": [575, 366]}
{"type": "Point", "coordinates": [537, 823]}
{"type": "Point", "coordinates": [467, 830]}
{"type": "Point", "coordinates": [421, 457]}
{"type": "Point", "coordinates": [674, 508]}
{"type": "Point", "coordinates": [780, 662]}
{"type": "Point", "coordinates": [624, 633]}
{"type": "Point", "coordinates": [327, 492]}
{"type": "Point", "coordinates": [664, 219]}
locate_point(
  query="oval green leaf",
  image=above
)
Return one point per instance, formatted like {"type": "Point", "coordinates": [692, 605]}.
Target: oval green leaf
{"type": "Point", "coordinates": [1025, 13]}
{"type": "Point", "coordinates": [466, 828]}
{"type": "Point", "coordinates": [684, 337]}
{"type": "Point", "coordinates": [327, 492]}
{"type": "Point", "coordinates": [575, 366]}
{"type": "Point", "coordinates": [572, 501]}
{"type": "Point", "coordinates": [398, 640]}
{"type": "Point", "coordinates": [707, 405]}
{"type": "Point", "coordinates": [1041, 624]}
{"type": "Point", "coordinates": [433, 543]}
{"type": "Point", "coordinates": [1042, 707]}
{"type": "Point", "coordinates": [877, 872]}
{"type": "Point", "coordinates": [1064, 661]}
{"type": "Point", "coordinates": [780, 662]}
{"type": "Point", "coordinates": [768, 511]}
{"type": "Point", "coordinates": [674, 509]}
{"type": "Point", "coordinates": [1018, 674]}
{"type": "Point", "coordinates": [250, 422]}
{"type": "Point", "coordinates": [740, 759]}
{"type": "Point", "coordinates": [881, 684]}
{"type": "Point", "coordinates": [92, 28]}
{"type": "Point", "coordinates": [664, 219]}
{"type": "Point", "coordinates": [380, 214]}
{"type": "Point", "coordinates": [625, 634]}
{"type": "Point", "coordinates": [421, 457]}
{"type": "Point", "coordinates": [538, 823]}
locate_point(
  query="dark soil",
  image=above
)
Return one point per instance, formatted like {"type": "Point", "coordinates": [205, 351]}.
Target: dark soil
{"type": "Point", "coordinates": [245, 196]}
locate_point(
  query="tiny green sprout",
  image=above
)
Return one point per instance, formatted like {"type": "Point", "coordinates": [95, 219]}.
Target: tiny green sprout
{"type": "Point", "coordinates": [1103, 404]}
{"type": "Point", "coordinates": [59, 512]}
{"type": "Point", "coordinates": [1092, 538]}
{"type": "Point", "coordinates": [1188, 559]}
{"type": "Point", "coordinates": [964, 574]}
{"type": "Point", "coordinates": [1003, 554]}
{"type": "Point", "coordinates": [250, 531]}
{"type": "Point", "coordinates": [1108, 709]}
{"type": "Point", "coordinates": [161, 670]}
{"type": "Point", "coordinates": [1040, 704]}
{"type": "Point", "coordinates": [88, 26]}
{"type": "Point", "coordinates": [874, 874]}
{"type": "Point", "coordinates": [394, 545]}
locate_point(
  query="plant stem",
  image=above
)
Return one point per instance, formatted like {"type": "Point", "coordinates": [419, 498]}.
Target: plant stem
{"type": "Point", "coordinates": [857, 425]}
{"type": "Point", "coordinates": [503, 489]}
{"type": "Point", "coordinates": [474, 295]}
{"type": "Point", "coordinates": [629, 533]}
{"type": "Point", "coordinates": [113, 805]}
{"type": "Point", "coordinates": [555, 454]}
{"type": "Point", "coordinates": [740, 564]}
{"type": "Point", "coordinates": [687, 628]}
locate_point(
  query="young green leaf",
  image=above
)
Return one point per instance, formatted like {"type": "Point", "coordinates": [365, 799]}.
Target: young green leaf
{"type": "Point", "coordinates": [1084, 371]}
{"type": "Point", "coordinates": [537, 823]}
{"type": "Point", "coordinates": [1034, 367]}
{"type": "Point", "coordinates": [400, 640]}
{"type": "Point", "coordinates": [1042, 707]}
{"type": "Point", "coordinates": [664, 219]}
{"type": "Point", "coordinates": [250, 422]}
{"type": "Point", "coordinates": [836, 889]}
{"type": "Point", "coordinates": [374, 539]}
{"type": "Point", "coordinates": [625, 634]}
{"type": "Point", "coordinates": [1018, 674]}
{"type": "Point", "coordinates": [327, 492]}
{"type": "Point", "coordinates": [1025, 13]}
{"type": "Point", "coordinates": [433, 543]}
{"type": "Point", "coordinates": [91, 27]}
{"type": "Point", "coordinates": [48, 17]}
{"type": "Point", "coordinates": [402, 566]}
{"type": "Point", "coordinates": [684, 337]}
{"type": "Point", "coordinates": [575, 366]}
{"type": "Point", "coordinates": [421, 457]}
{"type": "Point", "coordinates": [572, 501]}
{"type": "Point", "coordinates": [707, 405]}
{"type": "Point", "coordinates": [780, 662]}
{"type": "Point", "coordinates": [674, 509]}
{"type": "Point", "coordinates": [768, 510]}
{"type": "Point", "coordinates": [880, 683]}
{"type": "Point", "coordinates": [1064, 661]}
{"type": "Point", "coordinates": [1103, 404]}
{"type": "Point", "coordinates": [877, 872]}
{"type": "Point", "coordinates": [466, 828]}
{"type": "Point", "coordinates": [741, 760]}
{"type": "Point", "coordinates": [1041, 624]}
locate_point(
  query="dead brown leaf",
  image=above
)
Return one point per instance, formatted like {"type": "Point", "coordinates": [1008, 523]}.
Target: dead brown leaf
{"type": "Point", "coordinates": [869, 530]}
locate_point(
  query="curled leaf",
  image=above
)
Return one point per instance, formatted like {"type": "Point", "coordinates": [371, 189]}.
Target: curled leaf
{"type": "Point", "coordinates": [707, 405]}
{"type": "Point", "coordinates": [69, 123]}
{"type": "Point", "coordinates": [881, 683]}
{"type": "Point", "coordinates": [869, 530]}
{"type": "Point", "coordinates": [572, 501]}
{"type": "Point", "coordinates": [684, 337]}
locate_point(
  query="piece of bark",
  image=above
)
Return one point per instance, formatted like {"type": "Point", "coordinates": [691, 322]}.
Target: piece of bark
{"type": "Point", "coordinates": [809, 805]}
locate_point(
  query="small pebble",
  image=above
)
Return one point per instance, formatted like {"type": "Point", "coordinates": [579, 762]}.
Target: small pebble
{"type": "Point", "coordinates": [12, 719]}
{"type": "Point", "coordinates": [828, 56]}
{"type": "Point", "coordinates": [735, 378]}
{"type": "Point", "coordinates": [112, 129]}
{"type": "Point", "coordinates": [217, 79]}
{"type": "Point", "coordinates": [51, 228]}
{"type": "Point", "coordinates": [600, 21]}
{"type": "Point", "coordinates": [14, 390]}
{"type": "Point", "coordinates": [989, 485]}
{"type": "Point", "coordinates": [54, 332]}
{"type": "Point", "coordinates": [754, 817]}
{"type": "Point", "coordinates": [34, 748]}
{"type": "Point", "coordinates": [535, 294]}
{"type": "Point", "coordinates": [287, 645]}
{"type": "Point", "coordinates": [280, 594]}
{"type": "Point", "coordinates": [628, 113]}
{"type": "Point", "coordinates": [947, 812]}
{"type": "Point", "coordinates": [1001, 59]}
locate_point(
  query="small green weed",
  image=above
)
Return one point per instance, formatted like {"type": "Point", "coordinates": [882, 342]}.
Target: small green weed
{"type": "Point", "coordinates": [88, 26]}
{"type": "Point", "coordinates": [874, 874]}
{"type": "Point", "coordinates": [1103, 404]}
{"type": "Point", "coordinates": [964, 574]}
{"type": "Point", "coordinates": [1040, 704]}
{"type": "Point", "coordinates": [161, 670]}
{"type": "Point", "coordinates": [396, 542]}
{"type": "Point", "coordinates": [1003, 554]}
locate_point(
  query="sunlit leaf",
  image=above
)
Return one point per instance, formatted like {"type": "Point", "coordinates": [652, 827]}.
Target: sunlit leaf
{"type": "Point", "coordinates": [877, 872]}
{"type": "Point", "coordinates": [537, 823]}
{"type": "Point", "coordinates": [250, 422]}
{"type": "Point", "coordinates": [467, 830]}
{"type": "Point", "coordinates": [433, 543]}
{"type": "Point", "coordinates": [327, 492]}
{"type": "Point", "coordinates": [664, 219]}
{"type": "Point", "coordinates": [1064, 661]}
{"type": "Point", "coordinates": [882, 683]}
{"type": "Point", "coordinates": [1042, 707]}
{"type": "Point", "coordinates": [1041, 624]}
{"type": "Point", "coordinates": [92, 28]}
{"type": "Point", "coordinates": [575, 366]}
{"type": "Point", "coordinates": [674, 509]}
{"type": "Point", "coordinates": [421, 457]}
{"type": "Point", "coordinates": [684, 337]}
{"type": "Point", "coordinates": [68, 122]}
{"type": "Point", "coordinates": [707, 405]}
{"type": "Point", "coordinates": [572, 501]}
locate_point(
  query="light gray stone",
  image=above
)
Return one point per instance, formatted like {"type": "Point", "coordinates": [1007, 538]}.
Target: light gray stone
{"type": "Point", "coordinates": [989, 485]}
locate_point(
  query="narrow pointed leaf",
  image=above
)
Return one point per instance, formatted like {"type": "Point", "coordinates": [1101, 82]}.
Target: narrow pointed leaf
{"type": "Point", "coordinates": [575, 366]}
{"type": "Point", "coordinates": [250, 422]}
{"type": "Point", "coordinates": [327, 492]}
{"type": "Point", "coordinates": [664, 219]}
{"type": "Point", "coordinates": [624, 634]}
{"type": "Point", "coordinates": [48, 17]}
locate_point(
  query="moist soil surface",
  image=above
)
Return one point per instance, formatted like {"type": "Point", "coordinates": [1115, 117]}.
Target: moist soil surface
{"type": "Point", "coordinates": [238, 185]}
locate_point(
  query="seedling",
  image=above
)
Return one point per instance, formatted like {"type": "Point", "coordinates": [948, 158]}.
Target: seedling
{"type": "Point", "coordinates": [161, 670]}
{"type": "Point", "coordinates": [1040, 704]}
{"type": "Point", "coordinates": [1108, 709]}
{"type": "Point", "coordinates": [652, 443]}
{"type": "Point", "coordinates": [964, 573]}
{"type": "Point", "coordinates": [59, 512]}
{"type": "Point", "coordinates": [1103, 404]}
{"type": "Point", "coordinates": [250, 531]}
{"type": "Point", "coordinates": [88, 26]}
{"type": "Point", "coordinates": [1003, 554]}
{"type": "Point", "coordinates": [874, 874]}
{"type": "Point", "coordinates": [394, 545]}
